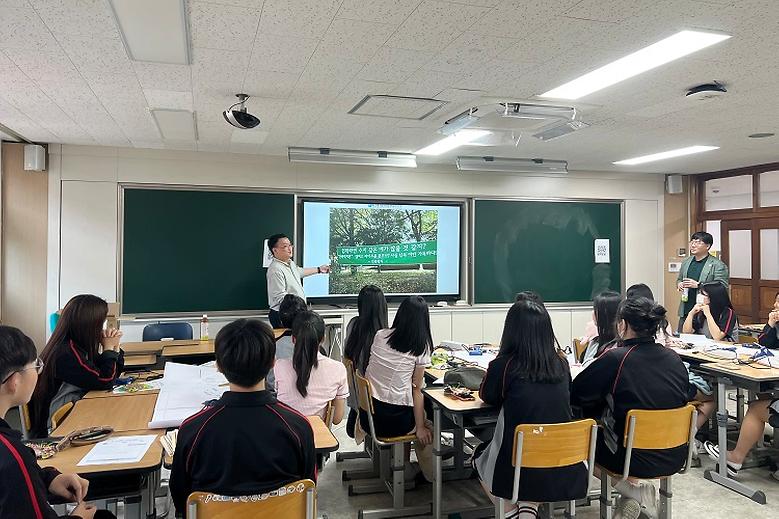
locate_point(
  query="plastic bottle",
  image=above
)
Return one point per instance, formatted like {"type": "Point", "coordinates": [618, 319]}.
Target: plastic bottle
{"type": "Point", "coordinates": [204, 328]}
{"type": "Point", "coordinates": [685, 295]}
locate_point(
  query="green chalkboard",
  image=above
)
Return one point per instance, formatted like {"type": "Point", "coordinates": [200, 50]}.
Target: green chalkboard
{"type": "Point", "coordinates": [547, 247]}
{"type": "Point", "coordinates": [198, 251]}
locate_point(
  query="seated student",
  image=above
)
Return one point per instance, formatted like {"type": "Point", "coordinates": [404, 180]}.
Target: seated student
{"type": "Point", "coordinates": [396, 371]}
{"type": "Point", "coordinates": [246, 442]}
{"type": "Point", "coordinates": [310, 380]}
{"type": "Point", "coordinates": [604, 308]}
{"type": "Point", "coordinates": [528, 295]}
{"type": "Point", "coordinates": [768, 337]}
{"type": "Point", "coordinates": [529, 380]}
{"type": "Point", "coordinates": [760, 412]}
{"type": "Point", "coordinates": [289, 308]}
{"type": "Point", "coordinates": [25, 485]}
{"type": "Point", "coordinates": [638, 374]}
{"type": "Point", "coordinates": [714, 316]}
{"type": "Point", "coordinates": [79, 357]}
{"type": "Point", "coordinates": [371, 317]}
{"type": "Point", "coordinates": [699, 390]}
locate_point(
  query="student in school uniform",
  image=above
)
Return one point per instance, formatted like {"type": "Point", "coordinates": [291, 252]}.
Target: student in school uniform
{"type": "Point", "coordinates": [768, 337]}
{"type": "Point", "coordinates": [714, 316]}
{"type": "Point", "coordinates": [80, 356]}
{"type": "Point", "coordinates": [310, 380]}
{"type": "Point", "coordinates": [396, 370]}
{"type": "Point", "coordinates": [289, 308]}
{"type": "Point", "coordinates": [25, 485]}
{"type": "Point", "coordinates": [529, 381]}
{"type": "Point", "coordinates": [245, 443]}
{"type": "Point", "coordinates": [638, 374]}
{"type": "Point", "coordinates": [604, 311]}
{"type": "Point", "coordinates": [371, 317]}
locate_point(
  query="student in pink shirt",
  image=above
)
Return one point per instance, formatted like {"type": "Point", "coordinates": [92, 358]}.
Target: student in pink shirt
{"type": "Point", "coordinates": [309, 380]}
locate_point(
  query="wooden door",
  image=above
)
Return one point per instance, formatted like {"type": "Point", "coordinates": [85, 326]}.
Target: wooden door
{"type": "Point", "coordinates": [738, 238]}
{"type": "Point", "coordinates": [767, 283]}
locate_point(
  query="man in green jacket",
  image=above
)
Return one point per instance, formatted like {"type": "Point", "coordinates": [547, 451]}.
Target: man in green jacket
{"type": "Point", "coordinates": [699, 268]}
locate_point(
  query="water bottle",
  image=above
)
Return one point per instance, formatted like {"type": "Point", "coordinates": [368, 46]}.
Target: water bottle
{"type": "Point", "coordinates": [204, 328]}
{"type": "Point", "coordinates": [685, 295]}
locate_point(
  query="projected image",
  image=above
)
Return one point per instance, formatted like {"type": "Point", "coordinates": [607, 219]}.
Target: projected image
{"type": "Point", "coordinates": [393, 248]}
{"type": "Point", "coordinates": [402, 248]}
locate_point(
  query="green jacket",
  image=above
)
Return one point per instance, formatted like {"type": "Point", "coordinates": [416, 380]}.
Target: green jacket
{"type": "Point", "coordinates": [713, 270]}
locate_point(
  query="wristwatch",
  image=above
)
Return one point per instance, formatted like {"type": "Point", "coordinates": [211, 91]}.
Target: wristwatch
{"type": "Point", "coordinates": [319, 270]}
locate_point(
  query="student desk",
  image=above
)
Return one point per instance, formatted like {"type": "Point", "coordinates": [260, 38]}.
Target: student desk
{"type": "Point", "coordinates": [202, 348]}
{"type": "Point", "coordinates": [136, 361]}
{"type": "Point", "coordinates": [472, 414]}
{"type": "Point", "coordinates": [753, 329]}
{"type": "Point", "coordinates": [755, 379]}
{"type": "Point", "coordinates": [132, 413]}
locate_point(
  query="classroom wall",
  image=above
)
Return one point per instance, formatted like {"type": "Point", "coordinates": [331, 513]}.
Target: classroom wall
{"type": "Point", "coordinates": [23, 286]}
{"type": "Point", "coordinates": [89, 178]}
{"type": "Point", "coordinates": [677, 236]}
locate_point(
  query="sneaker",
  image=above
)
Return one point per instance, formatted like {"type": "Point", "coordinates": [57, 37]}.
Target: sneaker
{"type": "Point", "coordinates": [627, 508]}
{"type": "Point", "coordinates": [713, 452]}
{"type": "Point", "coordinates": [648, 500]}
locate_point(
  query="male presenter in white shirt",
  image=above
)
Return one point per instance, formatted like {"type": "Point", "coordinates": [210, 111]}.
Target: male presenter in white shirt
{"type": "Point", "coordinates": [284, 276]}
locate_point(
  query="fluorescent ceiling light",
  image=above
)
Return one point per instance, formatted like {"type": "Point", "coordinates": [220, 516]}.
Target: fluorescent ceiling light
{"type": "Point", "coordinates": [176, 125]}
{"type": "Point", "coordinates": [352, 157]}
{"type": "Point", "coordinates": [660, 53]}
{"type": "Point", "coordinates": [453, 141]}
{"type": "Point", "coordinates": [153, 31]}
{"type": "Point", "coordinates": [534, 111]}
{"type": "Point", "coordinates": [460, 121]}
{"type": "Point", "coordinates": [665, 155]}
{"type": "Point", "coordinates": [511, 165]}
{"type": "Point", "coordinates": [557, 130]}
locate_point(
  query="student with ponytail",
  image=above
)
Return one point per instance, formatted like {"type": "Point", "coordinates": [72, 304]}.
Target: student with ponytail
{"type": "Point", "coordinates": [310, 380]}
{"type": "Point", "coordinates": [638, 374]}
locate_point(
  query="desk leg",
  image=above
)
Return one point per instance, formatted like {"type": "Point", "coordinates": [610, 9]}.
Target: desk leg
{"type": "Point", "coordinates": [721, 476]}
{"type": "Point", "coordinates": [437, 475]}
{"type": "Point", "coordinates": [147, 495]}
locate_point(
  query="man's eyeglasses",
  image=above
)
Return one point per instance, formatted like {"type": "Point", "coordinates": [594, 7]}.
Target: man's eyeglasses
{"type": "Point", "coordinates": [38, 366]}
{"type": "Point", "coordinates": [696, 242]}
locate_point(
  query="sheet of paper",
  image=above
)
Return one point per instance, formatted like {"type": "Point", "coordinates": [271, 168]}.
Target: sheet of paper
{"type": "Point", "coordinates": [184, 391]}
{"type": "Point", "coordinates": [602, 254]}
{"type": "Point", "coordinates": [267, 255]}
{"type": "Point", "coordinates": [118, 449]}
{"type": "Point", "coordinates": [696, 340]}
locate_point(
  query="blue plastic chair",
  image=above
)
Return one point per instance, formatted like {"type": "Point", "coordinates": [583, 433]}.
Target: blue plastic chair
{"type": "Point", "coordinates": [53, 320]}
{"type": "Point", "coordinates": [176, 331]}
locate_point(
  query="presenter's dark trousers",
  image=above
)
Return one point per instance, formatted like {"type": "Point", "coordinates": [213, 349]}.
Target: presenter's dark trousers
{"type": "Point", "coordinates": [275, 319]}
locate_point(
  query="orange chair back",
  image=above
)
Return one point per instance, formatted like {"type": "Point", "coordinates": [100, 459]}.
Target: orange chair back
{"type": "Point", "coordinates": [554, 445]}
{"type": "Point", "coordinates": [294, 501]}
{"type": "Point", "coordinates": [660, 429]}
{"type": "Point", "coordinates": [60, 414]}
{"type": "Point", "coordinates": [364, 393]}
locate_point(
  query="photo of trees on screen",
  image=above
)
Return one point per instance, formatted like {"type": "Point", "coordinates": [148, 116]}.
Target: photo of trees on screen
{"type": "Point", "coordinates": [395, 249]}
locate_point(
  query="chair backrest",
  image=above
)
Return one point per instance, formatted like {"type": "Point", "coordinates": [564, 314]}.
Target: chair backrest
{"type": "Point", "coordinates": [578, 348]}
{"type": "Point", "coordinates": [329, 414]}
{"type": "Point", "coordinates": [541, 446]}
{"type": "Point", "coordinates": [349, 365]}
{"type": "Point", "coordinates": [746, 339]}
{"type": "Point", "coordinates": [176, 331]}
{"type": "Point", "coordinates": [60, 414]}
{"type": "Point", "coordinates": [24, 415]}
{"type": "Point", "coordinates": [53, 320]}
{"type": "Point", "coordinates": [364, 393]}
{"type": "Point", "coordinates": [293, 501]}
{"type": "Point", "coordinates": [659, 429]}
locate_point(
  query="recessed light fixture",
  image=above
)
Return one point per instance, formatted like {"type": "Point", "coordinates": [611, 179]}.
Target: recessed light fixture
{"type": "Point", "coordinates": [509, 165]}
{"type": "Point", "coordinates": [664, 51]}
{"type": "Point", "coordinates": [176, 125]}
{"type": "Point", "coordinates": [352, 157]}
{"type": "Point", "coordinates": [453, 141]}
{"type": "Point", "coordinates": [665, 155]}
{"type": "Point", "coordinates": [153, 31]}
{"type": "Point", "coordinates": [761, 135]}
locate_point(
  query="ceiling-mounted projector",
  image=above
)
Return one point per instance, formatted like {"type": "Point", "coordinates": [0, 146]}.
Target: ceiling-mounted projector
{"type": "Point", "coordinates": [239, 117]}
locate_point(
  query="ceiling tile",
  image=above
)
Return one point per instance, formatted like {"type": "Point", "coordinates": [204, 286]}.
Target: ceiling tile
{"type": "Point", "coordinates": [393, 65]}
{"type": "Point", "coordinates": [222, 27]}
{"type": "Point", "coordinates": [298, 18]}
{"type": "Point", "coordinates": [515, 18]}
{"type": "Point", "coordinates": [14, 3]}
{"type": "Point", "coordinates": [163, 76]}
{"type": "Point", "coordinates": [257, 4]}
{"type": "Point", "coordinates": [434, 24]}
{"type": "Point", "coordinates": [104, 61]}
{"type": "Point", "coordinates": [391, 13]}
{"type": "Point", "coordinates": [282, 53]}
{"type": "Point", "coordinates": [264, 83]}
{"type": "Point", "coordinates": [23, 29]}
{"type": "Point", "coordinates": [616, 12]}
{"type": "Point", "coordinates": [169, 99]}
{"type": "Point", "coordinates": [469, 51]}
{"type": "Point", "coordinates": [426, 83]}
{"type": "Point", "coordinates": [219, 70]}
{"type": "Point", "coordinates": [92, 18]}
{"type": "Point", "coordinates": [354, 40]}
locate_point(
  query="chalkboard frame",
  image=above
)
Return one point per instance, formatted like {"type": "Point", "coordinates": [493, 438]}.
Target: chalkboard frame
{"type": "Point", "coordinates": [472, 243]}
{"type": "Point", "coordinates": [123, 187]}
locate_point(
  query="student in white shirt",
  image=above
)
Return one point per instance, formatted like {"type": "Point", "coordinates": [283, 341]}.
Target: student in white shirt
{"type": "Point", "coordinates": [396, 371]}
{"type": "Point", "coordinates": [604, 308]}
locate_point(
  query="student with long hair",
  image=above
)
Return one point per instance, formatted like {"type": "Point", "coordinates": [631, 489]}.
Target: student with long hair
{"type": "Point", "coordinates": [714, 317]}
{"type": "Point", "coordinates": [638, 374]}
{"type": "Point", "coordinates": [291, 305]}
{"type": "Point", "coordinates": [79, 357]}
{"type": "Point", "coordinates": [396, 370]}
{"type": "Point", "coordinates": [310, 380]}
{"type": "Point", "coordinates": [604, 310]}
{"type": "Point", "coordinates": [529, 381]}
{"type": "Point", "coordinates": [768, 337]}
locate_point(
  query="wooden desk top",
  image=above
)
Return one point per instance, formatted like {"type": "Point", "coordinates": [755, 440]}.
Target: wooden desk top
{"type": "Point", "coordinates": [324, 440]}
{"type": "Point", "coordinates": [67, 460]}
{"type": "Point", "coordinates": [134, 415]}
{"type": "Point", "coordinates": [757, 327]}
{"type": "Point", "coordinates": [755, 374]}
{"type": "Point", "coordinates": [452, 404]}
{"type": "Point", "coordinates": [139, 348]}
{"type": "Point", "coordinates": [203, 348]}
{"type": "Point", "coordinates": [134, 361]}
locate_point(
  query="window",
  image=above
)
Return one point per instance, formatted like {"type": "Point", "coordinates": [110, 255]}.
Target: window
{"type": "Point", "coordinates": [769, 189]}
{"type": "Point", "coordinates": [769, 254]}
{"type": "Point", "coordinates": [713, 227]}
{"type": "Point", "coordinates": [723, 194]}
{"type": "Point", "coordinates": [740, 253]}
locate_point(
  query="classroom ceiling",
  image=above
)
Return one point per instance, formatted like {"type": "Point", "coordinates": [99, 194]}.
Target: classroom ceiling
{"type": "Point", "coordinates": [65, 76]}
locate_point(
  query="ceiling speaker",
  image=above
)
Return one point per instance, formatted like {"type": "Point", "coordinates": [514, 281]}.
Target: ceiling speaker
{"type": "Point", "coordinates": [673, 184]}
{"type": "Point", "coordinates": [34, 157]}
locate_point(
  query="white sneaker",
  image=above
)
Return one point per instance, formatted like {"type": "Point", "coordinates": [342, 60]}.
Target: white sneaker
{"type": "Point", "coordinates": [713, 452]}
{"type": "Point", "coordinates": [648, 500]}
{"type": "Point", "coordinates": [627, 508]}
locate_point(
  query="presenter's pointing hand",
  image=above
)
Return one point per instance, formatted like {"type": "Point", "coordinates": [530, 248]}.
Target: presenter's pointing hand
{"type": "Point", "coordinates": [324, 269]}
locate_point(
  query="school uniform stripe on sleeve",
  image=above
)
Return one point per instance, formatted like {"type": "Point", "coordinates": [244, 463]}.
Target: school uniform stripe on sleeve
{"type": "Point", "coordinates": [28, 481]}
{"type": "Point", "coordinates": [197, 437]}
{"type": "Point", "coordinates": [93, 371]}
{"type": "Point", "coordinates": [294, 433]}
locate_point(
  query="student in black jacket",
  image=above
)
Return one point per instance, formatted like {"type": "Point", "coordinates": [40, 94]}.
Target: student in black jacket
{"type": "Point", "coordinates": [638, 374]}
{"type": "Point", "coordinates": [25, 485]}
{"type": "Point", "coordinates": [245, 443]}
{"type": "Point", "coordinates": [714, 317]}
{"type": "Point", "coordinates": [768, 337]}
{"type": "Point", "coordinates": [80, 356]}
{"type": "Point", "coordinates": [529, 380]}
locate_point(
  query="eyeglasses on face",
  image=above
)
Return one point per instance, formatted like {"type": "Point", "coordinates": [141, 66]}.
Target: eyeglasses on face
{"type": "Point", "coordinates": [38, 366]}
